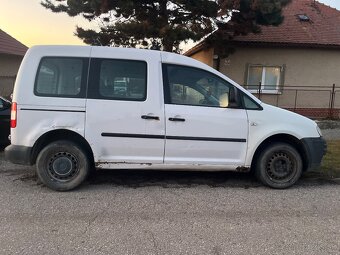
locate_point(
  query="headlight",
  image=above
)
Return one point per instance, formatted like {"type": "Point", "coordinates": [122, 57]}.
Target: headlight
{"type": "Point", "coordinates": [319, 130]}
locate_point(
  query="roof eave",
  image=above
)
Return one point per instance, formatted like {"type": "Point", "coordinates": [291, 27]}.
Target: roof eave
{"type": "Point", "coordinates": [198, 47]}
{"type": "Point", "coordinates": [201, 46]}
{"type": "Point", "coordinates": [286, 44]}
{"type": "Point", "coordinates": [20, 54]}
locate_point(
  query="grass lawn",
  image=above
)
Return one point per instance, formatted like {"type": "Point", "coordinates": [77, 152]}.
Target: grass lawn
{"type": "Point", "coordinates": [331, 162]}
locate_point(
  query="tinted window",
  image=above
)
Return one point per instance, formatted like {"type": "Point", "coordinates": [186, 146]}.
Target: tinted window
{"type": "Point", "coordinates": [249, 104]}
{"type": "Point", "coordinates": [118, 79]}
{"type": "Point", "coordinates": [4, 104]}
{"type": "Point", "coordinates": [61, 77]}
{"type": "Point", "coordinates": [192, 86]}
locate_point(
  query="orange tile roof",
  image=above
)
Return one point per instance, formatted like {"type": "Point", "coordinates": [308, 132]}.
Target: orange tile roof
{"type": "Point", "coordinates": [322, 30]}
{"type": "Point", "coordinates": [9, 45]}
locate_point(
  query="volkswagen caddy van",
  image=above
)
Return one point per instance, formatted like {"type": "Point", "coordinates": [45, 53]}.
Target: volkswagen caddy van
{"type": "Point", "coordinates": [76, 108]}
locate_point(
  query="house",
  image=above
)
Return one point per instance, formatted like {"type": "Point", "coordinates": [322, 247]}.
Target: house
{"type": "Point", "coordinates": [11, 55]}
{"type": "Point", "coordinates": [293, 65]}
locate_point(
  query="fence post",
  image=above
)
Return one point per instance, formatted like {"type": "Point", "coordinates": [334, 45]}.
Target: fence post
{"type": "Point", "coordinates": [259, 89]}
{"type": "Point", "coordinates": [295, 102]}
{"type": "Point", "coordinates": [331, 110]}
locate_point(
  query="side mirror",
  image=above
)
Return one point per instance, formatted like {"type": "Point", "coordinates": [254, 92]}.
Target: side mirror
{"type": "Point", "coordinates": [233, 95]}
{"type": "Point", "coordinates": [229, 100]}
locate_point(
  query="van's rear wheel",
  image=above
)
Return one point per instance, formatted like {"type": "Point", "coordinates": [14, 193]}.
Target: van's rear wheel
{"type": "Point", "coordinates": [62, 165]}
{"type": "Point", "coordinates": [279, 166]}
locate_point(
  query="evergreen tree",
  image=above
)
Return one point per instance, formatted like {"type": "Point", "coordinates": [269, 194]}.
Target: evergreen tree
{"type": "Point", "coordinates": [164, 24]}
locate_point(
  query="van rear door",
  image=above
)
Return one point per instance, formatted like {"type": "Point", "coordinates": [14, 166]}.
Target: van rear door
{"type": "Point", "coordinates": [124, 112]}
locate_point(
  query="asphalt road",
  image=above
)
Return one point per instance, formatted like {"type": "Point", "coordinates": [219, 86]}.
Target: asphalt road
{"type": "Point", "coordinates": [129, 212]}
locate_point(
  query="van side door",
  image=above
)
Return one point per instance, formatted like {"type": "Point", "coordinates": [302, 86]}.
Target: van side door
{"type": "Point", "coordinates": [124, 108]}
{"type": "Point", "coordinates": [203, 125]}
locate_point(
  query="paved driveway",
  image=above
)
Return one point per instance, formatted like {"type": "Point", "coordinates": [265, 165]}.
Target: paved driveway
{"type": "Point", "coordinates": [167, 213]}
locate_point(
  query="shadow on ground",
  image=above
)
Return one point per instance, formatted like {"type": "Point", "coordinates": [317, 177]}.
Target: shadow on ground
{"type": "Point", "coordinates": [178, 179]}
{"type": "Point", "coordinates": [172, 179]}
{"type": "Point", "coordinates": [164, 179]}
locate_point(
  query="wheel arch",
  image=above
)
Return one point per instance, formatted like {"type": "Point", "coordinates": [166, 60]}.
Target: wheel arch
{"type": "Point", "coordinates": [60, 134]}
{"type": "Point", "coordinates": [284, 138]}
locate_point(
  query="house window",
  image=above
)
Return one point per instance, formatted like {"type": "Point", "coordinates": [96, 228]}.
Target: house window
{"type": "Point", "coordinates": [303, 17]}
{"type": "Point", "coordinates": [270, 78]}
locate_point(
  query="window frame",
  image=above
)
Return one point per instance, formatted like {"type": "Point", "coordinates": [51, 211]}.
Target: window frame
{"type": "Point", "coordinates": [84, 78]}
{"type": "Point", "coordinates": [94, 80]}
{"type": "Point", "coordinates": [167, 94]}
{"type": "Point", "coordinates": [278, 87]}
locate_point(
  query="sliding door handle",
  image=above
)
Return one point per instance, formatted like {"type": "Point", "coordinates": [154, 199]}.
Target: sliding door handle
{"type": "Point", "coordinates": [148, 117]}
{"type": "Point", "coordinates": [177, 119]}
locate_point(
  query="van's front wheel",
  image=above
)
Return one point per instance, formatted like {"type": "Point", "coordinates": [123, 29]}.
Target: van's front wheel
{"type": "Point", "coordinates": [62, 165]}
{"type": "Point", "coordinates": [279, 166]}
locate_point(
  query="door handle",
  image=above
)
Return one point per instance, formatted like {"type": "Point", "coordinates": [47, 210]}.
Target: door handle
{"type": "Point", "coordinates": [148, 117]}
{"type": "Point", "coordinates": [177, 119]}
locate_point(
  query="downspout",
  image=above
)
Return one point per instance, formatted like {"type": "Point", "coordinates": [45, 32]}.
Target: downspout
{"type": "Point", "coordinates": [217, 60]}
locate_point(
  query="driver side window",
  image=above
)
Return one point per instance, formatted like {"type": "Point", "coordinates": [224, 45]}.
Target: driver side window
{"type": "Point", "coordinates": [192, 86]}
{"type": "Point", "coordinates": [182, 94]}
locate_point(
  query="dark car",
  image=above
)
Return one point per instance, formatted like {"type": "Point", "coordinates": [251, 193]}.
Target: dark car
{"type": "Point", "coordinates": [5, 116]}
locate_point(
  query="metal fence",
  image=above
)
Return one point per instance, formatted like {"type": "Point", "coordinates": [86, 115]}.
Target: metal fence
{"type": "Point", "coordinates": [311, 101]}
{"type": "Point", "coordinates": [6, 85]}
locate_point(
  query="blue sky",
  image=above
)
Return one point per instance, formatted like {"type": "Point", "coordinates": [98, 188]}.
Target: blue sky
{"type": "Point", "coordinates": [333, 3]}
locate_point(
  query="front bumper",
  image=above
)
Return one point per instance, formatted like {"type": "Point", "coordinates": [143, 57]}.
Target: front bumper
{"type": "Point", "coordinates": [315, 148]}
{"type": "Point", "coordinates": [18, 154]}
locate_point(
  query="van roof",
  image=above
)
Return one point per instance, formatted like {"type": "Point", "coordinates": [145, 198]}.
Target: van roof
{"type": "Point", "coordinates": [78, 50]}
{"type": "Point", "coordinates": [166, 57]}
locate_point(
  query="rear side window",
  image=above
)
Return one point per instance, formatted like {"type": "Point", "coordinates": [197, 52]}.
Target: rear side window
{"type": "Point", "coordinates": [61, 77]}
{"type": "Point", "coordinates": [117, 79]}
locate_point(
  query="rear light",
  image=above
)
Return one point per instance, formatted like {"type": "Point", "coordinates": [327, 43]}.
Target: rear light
{"type": "Point", "coordinates": [14, 115]}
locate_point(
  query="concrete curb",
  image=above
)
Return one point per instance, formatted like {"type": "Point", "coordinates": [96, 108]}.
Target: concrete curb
{"type": "Point", "coordinates": [328, 124]}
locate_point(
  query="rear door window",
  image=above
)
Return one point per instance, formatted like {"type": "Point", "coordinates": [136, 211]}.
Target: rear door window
{"type": "Point", "coordinates": [117, 79]}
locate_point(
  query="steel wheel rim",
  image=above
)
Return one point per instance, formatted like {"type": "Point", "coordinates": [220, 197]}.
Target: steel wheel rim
{"type": "Point", "coordinates": [63, 166]}
{"type": "Point", "coordinates": [281, 167]}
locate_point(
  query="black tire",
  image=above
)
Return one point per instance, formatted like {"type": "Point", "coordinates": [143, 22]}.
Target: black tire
{"type": "Point", "coordinates": [62, 165]}
{"type": "Point", "coordinates": [279, 166]}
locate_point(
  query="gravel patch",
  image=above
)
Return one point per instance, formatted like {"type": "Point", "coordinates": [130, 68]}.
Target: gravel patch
{"type": "Point", "coordinates": [330, 129]}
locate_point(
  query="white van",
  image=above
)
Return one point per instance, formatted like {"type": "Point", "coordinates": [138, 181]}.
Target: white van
{"type": "Point", "coordinates": [79, 107]}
